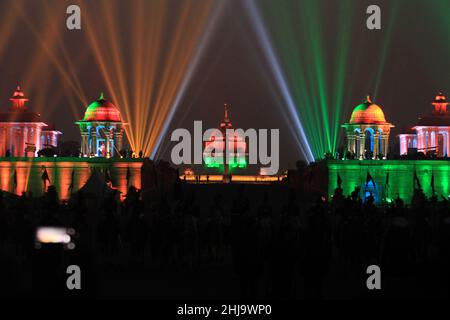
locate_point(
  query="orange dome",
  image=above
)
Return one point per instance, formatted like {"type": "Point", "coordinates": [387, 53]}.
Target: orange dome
{"type": "Point", "coordinates": [368, 113]}
{"type": "Point", "coordinates": [102, 110]}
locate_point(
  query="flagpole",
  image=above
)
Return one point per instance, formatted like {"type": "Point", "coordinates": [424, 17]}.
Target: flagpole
{"type": "Point", "coordinates": [387, 185]}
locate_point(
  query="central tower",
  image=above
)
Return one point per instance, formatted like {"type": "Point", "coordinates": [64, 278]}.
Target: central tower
{"type": "Point", "coordinates": [223, 143]}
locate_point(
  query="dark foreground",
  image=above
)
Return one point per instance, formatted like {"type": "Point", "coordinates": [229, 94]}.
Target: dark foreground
{"type": "Point", "coordinates": [227, 242]}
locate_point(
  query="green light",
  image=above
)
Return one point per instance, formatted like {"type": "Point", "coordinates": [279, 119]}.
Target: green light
{"type": "Point", "coordinates": [401, 177]}
{"type": "Point", "coordinates": [317, 85]}
{"type": "Point", "coordinates": [237, 162]}
{"type": "Point", "coordinates": [322, 55]}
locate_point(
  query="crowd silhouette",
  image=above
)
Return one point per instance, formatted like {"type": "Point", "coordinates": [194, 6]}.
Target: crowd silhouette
{"type": "Point", "coordinates": [270, 245]}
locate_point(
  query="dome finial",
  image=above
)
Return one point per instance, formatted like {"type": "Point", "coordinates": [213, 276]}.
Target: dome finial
{"type": "Point", "coordinates": [226, 112]}
{"type": "Point", "coordinates": [368, 99]}
{"type": "Point", "coordinates": [102, 96]}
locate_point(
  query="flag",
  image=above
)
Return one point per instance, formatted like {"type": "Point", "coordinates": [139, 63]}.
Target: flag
{"type": "Point", "coordinates": [432, 182]}
{"type": "Point", "coordinates": [416, 180]}
{"type": "Point", "coordinates": [369, 178]}
{"type": "Point", "coordinates": [339, 181]}
{"type": "Point", "coordinates": [107, 176]}
{"type": "Point", "coordinates": [128, 176]}
{"type": "Point", "coordinates": [15, 179]}
{"type": "Point", "coordinates": [386, 186]}
{"type": "Point", "coordinates": [45, 178]}
{"type": "Point", "coordinates": [72, 180]}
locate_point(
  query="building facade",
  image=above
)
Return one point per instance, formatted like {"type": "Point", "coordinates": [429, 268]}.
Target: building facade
{"type": "Point", "coordinates": [22, 132]}
{"type": "Point", "coordinates": [431, 135]}
{"type": "Point", "coordinates": [390, 179]}
{"type": "Point", "coordinates": [216, 145]}
{"type": "Point", "coordinates": [101, 130]}
{"type": "Point", "coordinates": [367, 132]}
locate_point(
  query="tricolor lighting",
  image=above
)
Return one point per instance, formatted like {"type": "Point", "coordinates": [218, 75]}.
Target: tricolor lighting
{"type": "Point", "coordinates": [276, 70]}
{"type": "Point", "coordinates": [147, 59]}
{"type": "Point", "coordinates": [312, 55]}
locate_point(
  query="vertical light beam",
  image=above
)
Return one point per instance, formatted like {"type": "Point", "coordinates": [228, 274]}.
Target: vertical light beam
{"type": "Point", "coordinates": [277, 72]}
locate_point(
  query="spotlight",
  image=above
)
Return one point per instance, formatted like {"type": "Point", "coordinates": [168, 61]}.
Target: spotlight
{"type": "Point", "coordinates": [276, 70]}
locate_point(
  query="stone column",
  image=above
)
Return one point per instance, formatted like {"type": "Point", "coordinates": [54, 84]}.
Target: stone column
{"type": "Point", "coordinates": [118, 139]}
{"type": "Point", "coordinates": [20, 145]}
{"type": "Point", "coordinates": [356, 150]}
{"type": "Point", "coordinates": [350, 142]}
{"type": "Point", "coordinates": [385, 148]}
{"type": "Point", "coordinates": [54, 139]}
{"type": "Point", "coordinates": [9, 143]}
{"type": "Point", "coordinates": [107, 142]}
{"type": "Point", "coordinates": [2, 142]}
{"type": "Point", "coordinates": [376, 147]}
{"type": "Point", "coordinates": [447, 148]}
{"type": "Point", "coordinates": [403, 145]}
{"type": "Point", "coordinates": [362, 145]}
{"type": "Point", "coordinates": [84, 143]}
{"type": "Point", "coordinates": [352, 145]}
{"type": "Point", "coordinates": [436, 140]}
{"type": "Point", "coordinates": [36, 138]}
{"type": "Point", "coordinates": [25, 140]}
{"type": "Point", "coordinates": [446, 142]}
{"type": "Point", "coordinates": [93, 148]}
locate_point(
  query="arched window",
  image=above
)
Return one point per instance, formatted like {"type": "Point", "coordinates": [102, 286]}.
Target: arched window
{"type": "Point", "coordinates": [369, 142]}
{"type": "Point", "coordinates": [370, 189]}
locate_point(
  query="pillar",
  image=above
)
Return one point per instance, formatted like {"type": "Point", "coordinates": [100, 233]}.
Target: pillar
{"type": "Point", "coordinates": [436, 140]}
{"type": "Point", "coordinates": [376, 147]}
{"type": "Point", "coordinates": [404, 145]}
{"type": "Point", "coordinates": [385, 145]}
{"type": "Point", "coordinates": [84, 143]}
{"type": "Point", "coordinates": [9, 140]}
{"type": "Point", "coordinates": [350, 143]}
{"type": "Point", "coordinates": [93, 148]}
{"type": "Point", "coordinates": [54, 139]}
{"type": "Point", "coordinates": [447, 149]}
{"type": "Point", "coordinates": [353, 144]}
{"type": "Point", "coordinates": [357, 150]}
{"type": "Point", "coordinates": [118, 139]}
{"type": "Point", "coordinates": [24, 139]}
{"type": "Point", "coordinates": [2, 142]}
{"type": "Point", "coordinates": [108, 142]}
{"type": "Point", "coordinates": [362, 145]}
{"type": "Point", "coordinates": [36, 138]}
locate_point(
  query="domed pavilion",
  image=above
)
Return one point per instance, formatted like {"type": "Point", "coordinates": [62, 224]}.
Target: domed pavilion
{"type": "Point", "coordinates": [101, 129]}
{"type": "Point", "coordinates": [368, 132]}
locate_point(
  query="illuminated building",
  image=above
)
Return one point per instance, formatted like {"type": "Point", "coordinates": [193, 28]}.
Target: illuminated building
{"type": "Point", "coordinates": [368, 132]}
{"type": "Point", "coordinates": [67, 175]}
{"type": "Point", "coordinates": [432, 132]}
{"type": "Point", "coordinates": [22, 132]}
{"type": "Point", "coordinates": [391, 178]}
{"type": "Point", "coordinates": [218, 144]}
{"type": "Point", "coordinates": [49, 137]}
{"type": "Point", "coordinates": [101, 129]}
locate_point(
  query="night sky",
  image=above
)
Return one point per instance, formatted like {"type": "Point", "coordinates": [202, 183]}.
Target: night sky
{"type": "Point", "coordinates": [233, 68]}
